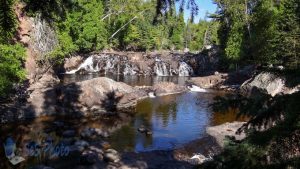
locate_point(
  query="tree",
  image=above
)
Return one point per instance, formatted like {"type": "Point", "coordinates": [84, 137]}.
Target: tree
{"type": "Point", "coordinates": [11, 71]}
{"type": "Point", "coordinates": [177, 33]}
{"type": "Point", "coordinates": [8, 21]}
{"type": "Point", "coordinates": [83, 24]}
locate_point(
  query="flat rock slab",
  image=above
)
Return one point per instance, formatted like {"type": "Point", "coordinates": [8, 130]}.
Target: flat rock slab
{"type": "Point", "coordinates": [227, 129]}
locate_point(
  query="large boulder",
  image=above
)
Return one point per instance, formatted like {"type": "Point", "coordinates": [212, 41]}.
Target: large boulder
{"type": "Point", "coordinates": [99, 95]}
{"type": "Point", "coordinates": [265, 81]}
{"type": "Point", "coordinates": [165, 88]}
{"type": "Point", "coordinates": [209, 81]}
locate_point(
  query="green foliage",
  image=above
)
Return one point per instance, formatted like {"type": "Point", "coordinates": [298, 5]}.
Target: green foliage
{"type": "Point", "coordinates": [8, 20]}
{"type": "Point", "coordinates": [259, 31]}
{"type": "Point", "coordinates": [177, 33]}
{"type": "Point", "coordinates": [11, 71]}
{"type": "Point", "coordinates": [82, 28]}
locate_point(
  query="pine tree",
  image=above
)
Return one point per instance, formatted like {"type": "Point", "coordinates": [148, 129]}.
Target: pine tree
{"type": "Point", "coordinates": [8, 20]}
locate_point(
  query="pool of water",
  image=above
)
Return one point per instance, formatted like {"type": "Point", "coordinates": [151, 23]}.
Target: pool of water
{"type": "Point", "coordinates": [174, 120]}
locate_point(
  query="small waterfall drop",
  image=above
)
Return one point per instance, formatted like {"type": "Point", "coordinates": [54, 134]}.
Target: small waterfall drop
{"type": "Point", "coordinates": [195, 88]}
{"type": "Point", "coordinates": [185, 69]}
{"type": "Point", "coordinates": [86, 65]}
{"type": "Point", "coordinates": [161, 68]}
{"type": "Point", "coordinates": [129, 70]}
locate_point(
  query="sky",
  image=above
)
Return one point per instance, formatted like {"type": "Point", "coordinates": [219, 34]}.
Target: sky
{"type": "Point", "coordinates": [204, 6]}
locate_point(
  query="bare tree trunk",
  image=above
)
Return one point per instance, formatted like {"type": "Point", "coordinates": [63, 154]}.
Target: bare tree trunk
{"type": "Point", "coordinates": [124, 25]}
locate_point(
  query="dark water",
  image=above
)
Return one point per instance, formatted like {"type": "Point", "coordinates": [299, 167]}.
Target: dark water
{"type": "Point", "coordinates": [174, 120]}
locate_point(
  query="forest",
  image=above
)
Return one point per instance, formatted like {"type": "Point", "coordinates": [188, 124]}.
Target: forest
{"type": "Point", "coordinates": [265, 33]}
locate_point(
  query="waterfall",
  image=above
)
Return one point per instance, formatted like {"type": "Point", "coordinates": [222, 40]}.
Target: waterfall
{"type": "Point", "coordinates": [86, 65]}
{"type": "Point", "coordinates": [162, 69]}
{"type": "Point", "coordinates": [194, 88]}
{"type": "Point", "coordinates": [118, 64]}
{"type": "Point", "coordinates": [185, 69]}
{"type": "Point", "coordinates": [129, 70]}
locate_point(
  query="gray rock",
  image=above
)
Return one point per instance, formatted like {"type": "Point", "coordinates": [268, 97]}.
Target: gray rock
{"type": "Point", "coordinates": [111, 157]}
{"type": "Point", "coordinates": [82, 143]}
{"type": "Point", "coordinates": [228, 129]}
{"type": "Point", "coordinates": [88, 157]}
{"type": "Point", "coordinates": [265, 81]}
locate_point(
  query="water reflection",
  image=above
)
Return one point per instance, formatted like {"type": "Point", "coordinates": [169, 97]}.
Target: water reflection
{"type": "Point", "coordinates": [174, 120]}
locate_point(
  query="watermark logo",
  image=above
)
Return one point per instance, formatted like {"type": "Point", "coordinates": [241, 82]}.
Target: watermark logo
{"type": "Point", "coordinates": [42, 146]}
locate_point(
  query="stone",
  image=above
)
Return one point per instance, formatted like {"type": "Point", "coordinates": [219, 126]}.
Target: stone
{"type": "Point", "coordinates": [69, 133]}
{"type": "Point", "coordinates": [228, 129]}
{"type": "Point", "coordinates": [166, 88]}
{"type": "Point", "coordinates": [87, 133]}
{"type": "Point", "coordinates": [209, 81]}
{"type": "Point", "coordinates": [111, 155]}
{"type": "Point", "coordinates": [75, 149]}
{"type": "Point", "coordinates": [149, 132]}
{"type": "Point", "coordinates": [142, 129]}
{"type": "Point", "coordinates": [266, 82]}
{"type": "Point", "coordinates": [88, 157]}
{"type": "Point", "coordinates": [82, 143]}
{"type": "Point", "coordinates": [198, 159]}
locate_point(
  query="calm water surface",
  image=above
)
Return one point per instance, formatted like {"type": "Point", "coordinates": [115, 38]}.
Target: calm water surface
{"type": "Point", "coordinates": [174, 119]}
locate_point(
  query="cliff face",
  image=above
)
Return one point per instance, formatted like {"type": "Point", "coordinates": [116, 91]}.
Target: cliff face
{"type": "Point", "coordinates": [39, 39]}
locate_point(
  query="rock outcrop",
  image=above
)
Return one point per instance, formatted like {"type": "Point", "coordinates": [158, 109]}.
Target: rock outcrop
{"type": "Point", "coordinates": [95, 96]}
{"type": "Point", "coordinates": [209, 81]}
{"type": "Point", "coordinates": [265, 81]}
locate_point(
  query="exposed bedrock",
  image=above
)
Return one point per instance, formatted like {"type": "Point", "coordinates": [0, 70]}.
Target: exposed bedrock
{"type": "Point", "coordinates": [163, 64]}
{"type": "Point", "coordinates": [91, 97]}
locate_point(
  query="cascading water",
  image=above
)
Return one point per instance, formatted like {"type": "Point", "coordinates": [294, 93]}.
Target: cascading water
{"type": "Point", "coordinates": [86, 65]}
{"type": "Point", "coordinates": [129, 70]}
{"type": "Point", "coordinates": [161, 68]}
{"type": "Point", "coordinates": [185, 69]}
{"type": "Point", "coordinates": [117, 64]}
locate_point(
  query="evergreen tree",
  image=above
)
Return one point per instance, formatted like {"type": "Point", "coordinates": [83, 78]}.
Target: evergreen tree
{"type": "Point", "coordinates": [11, 71]}
{"type": "Point", "coordinates": [8, 20]}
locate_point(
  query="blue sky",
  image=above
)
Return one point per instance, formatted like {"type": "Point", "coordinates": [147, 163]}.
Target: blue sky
{"type": "Point", "coordinates": [204, 6]}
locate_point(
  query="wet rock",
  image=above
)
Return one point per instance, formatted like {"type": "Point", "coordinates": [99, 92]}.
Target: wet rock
{"type": "Point", "coordinates": [67, 141]}
{"type": "Point", "coordinates": [58, 124]}
{"type": "Point", "coordinates": [88, 157]}
{"type": "Point", "coordinates": [69, 133]}
{"type": "Point", "coordinates": [111, 155]}
{"type": "Point", "coordinates": [96, 149]}
{"type": "Point", "coordinates": [87, 133]}
{"type": "Point", "coordinates": [105, 145]}
{"type": "Point", "coordinates": [209, 81]}
{"type": "Point", "coordinates": [101, 133]}
{"type": "Point", "coordinates": [198, 159]}
{"type": "Point", "coordinates": [142, 129]}
{"type": "Point", "coordinates": [75, 149]}
{"type": "Point", "coordinates": [149, 132]}
{"type": "Point", "coordinates": [72, 62]}
{"type": "Point", "coordinates": [165, 88]}
{"type": "Point", "coordinates": [82, 143]}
